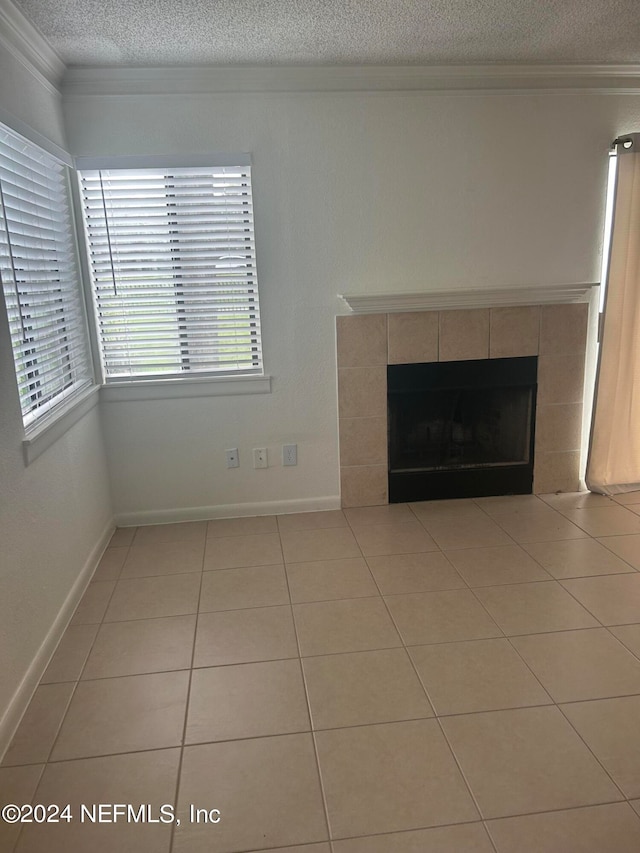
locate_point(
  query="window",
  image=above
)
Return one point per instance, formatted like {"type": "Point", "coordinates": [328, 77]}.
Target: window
{"type": "Point", "coordinates": [172, 260]}
{"type": "Point", "coordinates": [40, 280]}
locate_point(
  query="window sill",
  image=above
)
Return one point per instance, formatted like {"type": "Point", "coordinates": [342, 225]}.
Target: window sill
{"type": "Point", "coordinates": [42, 436]}
{"type": "Point", "coordinates": [173, 389]}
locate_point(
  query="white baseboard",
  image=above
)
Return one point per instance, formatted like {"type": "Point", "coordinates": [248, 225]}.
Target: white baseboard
{"type": "Point", "coordinates": [21, 698]}
{"type": "Point", "coordinates": [200, 513]}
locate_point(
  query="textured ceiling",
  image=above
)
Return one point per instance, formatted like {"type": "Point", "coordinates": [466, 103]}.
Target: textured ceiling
{"type": "Point", "coordinates": [322, 32]}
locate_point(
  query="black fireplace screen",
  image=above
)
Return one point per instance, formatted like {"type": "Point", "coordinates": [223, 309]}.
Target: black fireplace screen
{"type": "Point", "coordinates": [462, 428]}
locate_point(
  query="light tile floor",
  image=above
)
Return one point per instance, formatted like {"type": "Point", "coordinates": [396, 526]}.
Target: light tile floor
{"type": "Point", "coordinates": [443, 677]}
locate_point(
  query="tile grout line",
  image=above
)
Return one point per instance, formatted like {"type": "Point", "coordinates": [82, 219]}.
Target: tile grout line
{"type": "Point", "coordinates": [558, 811]}
{"type": "Point", "coordinates": [186, 710]}
{"type": "Point", "coordinates": [514, 540]}
{"type": "Point", "coordinates": [436, 718]}
{"type": "Point", "coordinates": [611, 551]}
{"type": "Point", "coordinates": [552, 578]}
{"type": "Point", "coordinates": [325, 807]}
{"type": "Point", "coordinates": [553, 703]}
{"type": "Point", "coordinates": [556, 704]}
{"type": "Point", "coordinates": [77, 681]}
{"type": "Point", "coordinates": [102, 622]}
{"type": "Point", "coordinates": [451, 825]}
{"type": "Point", "coordinates": [607, 628]}
{"type": "Point", "coordinates": [591, 752]}
{"type": "Point", "coordinates": [546, 506]}
{"type": "Point", "coordinates": [466, 587]}
{"type": "Point", "coordinates": [35, 791]}
{"type": "Point", "coordinates": [435, 715]}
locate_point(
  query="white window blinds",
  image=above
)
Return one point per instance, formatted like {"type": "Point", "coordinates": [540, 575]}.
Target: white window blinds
{"type": "Point", "coordinates": [172, 259]}
{"type": "Point", "coordinates": [40, 281]}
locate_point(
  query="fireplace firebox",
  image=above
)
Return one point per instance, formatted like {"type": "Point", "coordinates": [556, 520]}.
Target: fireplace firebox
{"type": "Point", "coordinates": [461, 428]}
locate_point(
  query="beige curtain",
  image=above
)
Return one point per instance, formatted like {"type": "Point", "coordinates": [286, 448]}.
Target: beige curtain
{"type": "Point", "coordinates": [614, 457]}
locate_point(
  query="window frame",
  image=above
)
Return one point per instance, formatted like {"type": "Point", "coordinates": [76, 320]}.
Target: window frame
{"type": "Point", "coordinates": [43, 425]}
{"type": "Point", "coordinates": [155, 387]}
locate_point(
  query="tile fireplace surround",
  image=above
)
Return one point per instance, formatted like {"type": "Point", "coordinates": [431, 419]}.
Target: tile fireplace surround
{"type": "Point", "coordinates": [366, 343]}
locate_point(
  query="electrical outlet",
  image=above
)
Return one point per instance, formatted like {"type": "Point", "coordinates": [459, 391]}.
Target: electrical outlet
{"type": "Point", "coordinates": [260, 457]}
{"type": "Point", "coordinates": [289, 454]}
{"type": "Point", "coordinates": [233, 458]}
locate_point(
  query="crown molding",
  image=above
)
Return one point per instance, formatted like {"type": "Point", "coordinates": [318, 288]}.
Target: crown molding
{"type": "Point", "coordinates": [441, 300]}
{"type": "Point", "coordinates": [591, 78]}
{"type": "Point", "coordinates": [28, 45]}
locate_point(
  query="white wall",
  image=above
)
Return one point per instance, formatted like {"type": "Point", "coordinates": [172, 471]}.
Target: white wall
{"type": "Point", "coordinates": [54, 513]}
{"type": "Point", "coordinates": [353, 192]}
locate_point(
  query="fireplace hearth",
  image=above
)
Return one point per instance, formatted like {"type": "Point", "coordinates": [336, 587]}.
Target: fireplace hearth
{"type": "Point", "coordinates": [461, 428]}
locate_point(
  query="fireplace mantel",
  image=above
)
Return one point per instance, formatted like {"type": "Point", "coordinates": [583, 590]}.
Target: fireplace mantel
{"type": "Point", "coordinates": [441, 300]}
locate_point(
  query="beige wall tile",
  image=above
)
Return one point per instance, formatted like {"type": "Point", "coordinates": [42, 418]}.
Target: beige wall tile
{"type": "Point", "coordinates": [363, 441]}
{"type": "Point", "coordinates": [559, 427]}
{"type": "Point", "coordinates": [514, 331]}
{"type": "Point", "coordinates": [366, 485]}
{"type": "Point", "coordinates": [413, 337]}
{"type": "Point", "coordinates": [556, 472]}
{"type": "Point", "coordinates": [560, 379]}
{"type": "Point", "coordinates": [362, 392]}
{"type": "Point", "coordinates": [464, 334]}
{"type": "Point", "coordinates": [362, 340]}
{"type": "Point", "coordinates": [563, 329]}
